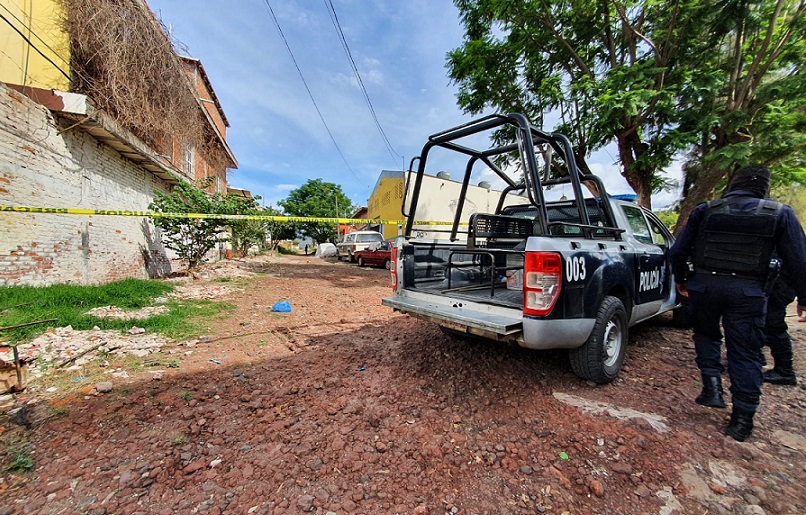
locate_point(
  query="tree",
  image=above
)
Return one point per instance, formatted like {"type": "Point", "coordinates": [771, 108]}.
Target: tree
{"type": "Point", "coordinates": [610, 69]}
{"type": "Point", "coordinates": [279, 230]}
{"type": "Point", "coordinates": [245, 233]}
{"type": "Point", "coordinates": [190, 238]}
{"type": "Point", "coordinates": [746, 101]}
{"type": "Point", "coordinates": [318, 199]}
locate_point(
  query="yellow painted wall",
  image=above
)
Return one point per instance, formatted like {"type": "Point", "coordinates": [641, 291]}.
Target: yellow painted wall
{"type": "Point", "coordinates": [385, 202]}
{"type": "Point", "coordinates": [437, 203]}
{"type": "Point", "coordinates": [40, 21]}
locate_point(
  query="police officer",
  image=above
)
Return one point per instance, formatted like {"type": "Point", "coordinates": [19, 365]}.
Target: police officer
{"type": "Point", "coordinates": [730, 242]}
{"type": "Point", "coordinates": [776, 333]}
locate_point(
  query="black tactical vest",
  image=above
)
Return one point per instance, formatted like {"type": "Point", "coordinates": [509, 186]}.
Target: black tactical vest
{"type": "Point", "coordinates": [735, 241]}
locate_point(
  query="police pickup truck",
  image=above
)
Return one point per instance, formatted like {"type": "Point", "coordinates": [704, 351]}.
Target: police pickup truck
{"type": "Point", "coordinates": [564, 273]}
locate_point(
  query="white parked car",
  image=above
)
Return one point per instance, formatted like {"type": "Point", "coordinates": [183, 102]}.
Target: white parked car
{"type": "Point", "coordinates": [325, 250]}
{"type": "Point", "coordinates": [356, 241]}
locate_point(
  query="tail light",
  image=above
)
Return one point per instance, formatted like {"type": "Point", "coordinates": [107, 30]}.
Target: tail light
{"type": "Point", "coordinates": [542, 282]}
{"type": "Point", "coordinates": [393, 267]}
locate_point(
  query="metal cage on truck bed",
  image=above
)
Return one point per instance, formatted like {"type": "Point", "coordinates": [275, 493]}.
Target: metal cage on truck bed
{"type": "Point", "coordinates": [558, 168]}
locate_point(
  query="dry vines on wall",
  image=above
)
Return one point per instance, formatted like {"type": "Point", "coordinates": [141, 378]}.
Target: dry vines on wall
{"type": "Point", "coordinates": [123, 61]}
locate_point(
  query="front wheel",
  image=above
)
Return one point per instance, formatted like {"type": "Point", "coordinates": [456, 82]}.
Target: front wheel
{"type": "Point", "coordinates": [387, 264]}
{"type": "Point", "coordinates": [360, 260]}
{"type": "Point", "coordinates": [600, 358]}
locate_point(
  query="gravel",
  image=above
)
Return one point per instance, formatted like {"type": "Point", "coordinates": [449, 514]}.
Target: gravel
{"type": "Point", "coordinates": [342, 406]}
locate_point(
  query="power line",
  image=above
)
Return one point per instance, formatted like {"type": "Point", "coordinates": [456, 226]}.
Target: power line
{"type": "Point", "coordinates": [48, 59]}
{"type": "Point", "coordinates": [334, 18]}
{"type": "Point", "coordinates": [31, 30]}
{"type": "Point", "coordinates": [310, 94]}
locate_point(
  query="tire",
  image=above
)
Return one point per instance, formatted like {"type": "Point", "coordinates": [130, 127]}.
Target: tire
{"type": "Point", "coordinates": [600, 358]}
{"type": "Point", "coordinates": [387, 264]}
{"type": "Point", "coordinates": [360, 260]}
{"type": "Point", "coordinates": [351, 256]}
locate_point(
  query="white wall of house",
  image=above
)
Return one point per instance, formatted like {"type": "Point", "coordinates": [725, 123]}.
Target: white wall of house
{"type": "Point", "coordinates": [44, 164]}
{"type": "Point", "coordinates": [439, 200]}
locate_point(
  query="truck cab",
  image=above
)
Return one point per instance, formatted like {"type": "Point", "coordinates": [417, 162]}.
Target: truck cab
{"type": "Point", "coordinates": [541, 270]}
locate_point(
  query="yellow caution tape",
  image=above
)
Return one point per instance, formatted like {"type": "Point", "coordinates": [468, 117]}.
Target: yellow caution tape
{"type": "Point", "coordinates": [211, 216]}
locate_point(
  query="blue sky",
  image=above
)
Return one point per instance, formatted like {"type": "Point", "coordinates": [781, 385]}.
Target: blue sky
{"type": "Point", "coordinates": [279, 139]}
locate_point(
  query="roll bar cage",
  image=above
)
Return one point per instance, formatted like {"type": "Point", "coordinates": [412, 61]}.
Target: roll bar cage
{"type": "Point", "coordinates": [535, 179]}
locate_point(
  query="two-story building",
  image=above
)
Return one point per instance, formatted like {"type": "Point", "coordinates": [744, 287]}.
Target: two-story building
{"type": "Point", "coordinates": [65, 145]}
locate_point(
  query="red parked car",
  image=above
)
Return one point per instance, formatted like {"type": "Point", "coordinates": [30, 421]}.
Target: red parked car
{"type": "Point", "coordinates": [379, 253]}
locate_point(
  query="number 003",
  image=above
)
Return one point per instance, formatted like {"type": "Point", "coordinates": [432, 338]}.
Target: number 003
{"type": "Point", "coordinates": [575, 268]}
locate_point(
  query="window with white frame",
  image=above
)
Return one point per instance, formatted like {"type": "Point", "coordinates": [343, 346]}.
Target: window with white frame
{"type": "Point", "coordinates": [190, 154]}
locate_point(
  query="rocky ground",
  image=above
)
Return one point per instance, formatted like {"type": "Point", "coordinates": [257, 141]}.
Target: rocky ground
{"type": "Point", "coordinates": [342, 406]}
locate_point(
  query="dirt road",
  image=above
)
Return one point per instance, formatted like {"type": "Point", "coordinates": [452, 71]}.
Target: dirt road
{"type": "Point", "coordinates": [342, 406]}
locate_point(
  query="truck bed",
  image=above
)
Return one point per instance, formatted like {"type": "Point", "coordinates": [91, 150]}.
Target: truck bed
{"type": "Point", "coordinates": [475, 292]}
{"type": "Point", "coordinates": [454, 271]}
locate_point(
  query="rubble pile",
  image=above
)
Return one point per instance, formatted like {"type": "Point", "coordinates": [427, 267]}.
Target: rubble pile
{"type": "Point", "coordinates": [116, 312]}
{"type": "Point", "coordinates": [200, 291]}
{"type": "Point", "coordinates": [66, 347]}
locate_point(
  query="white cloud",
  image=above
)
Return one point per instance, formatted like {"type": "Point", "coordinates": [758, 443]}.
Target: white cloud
{"type": "Point", "coordinates": [372, 77]}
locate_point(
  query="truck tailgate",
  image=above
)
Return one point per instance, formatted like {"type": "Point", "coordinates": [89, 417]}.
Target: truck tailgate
{"type": "Point", "coordinates": [452, 313]}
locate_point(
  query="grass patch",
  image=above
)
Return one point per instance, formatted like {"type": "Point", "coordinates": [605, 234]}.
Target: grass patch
{"type": "Point", "coordinates": [19, 456]}
{"type": "Point", "coordinates": [286, 251]}
{"type": "Point", "coordinates": [69, 303]}
{"type": "Point", "coordinates": [58, 411]}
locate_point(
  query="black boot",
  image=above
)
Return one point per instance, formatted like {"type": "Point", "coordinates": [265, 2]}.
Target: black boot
{"type": "Point", "coordinates": [780, 375]}
{"type": "Point", "coordinates": [741, 424]}
{"type": "Point", "coordinates": [782, 372]}
{"type": "Point", "coordinates": [712, 394]}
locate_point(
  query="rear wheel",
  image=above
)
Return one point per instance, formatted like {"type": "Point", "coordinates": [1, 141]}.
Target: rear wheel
{"type": "Point", "coordinates": [351, 256]}
{"type": "Point", "coordinates": [360, 260]}
{"type": "Point", "coordinates": [387, 264]}
{"type": "Point", "coordinates": [600, 358]}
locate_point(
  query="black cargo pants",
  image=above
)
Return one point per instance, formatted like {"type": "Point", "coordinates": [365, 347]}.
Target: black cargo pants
{"type": "Point", "coordinates": [740, 305]}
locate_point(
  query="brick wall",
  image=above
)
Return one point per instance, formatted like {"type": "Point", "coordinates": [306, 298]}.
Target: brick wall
{"type": "Point", "coordinates": [47, 164]}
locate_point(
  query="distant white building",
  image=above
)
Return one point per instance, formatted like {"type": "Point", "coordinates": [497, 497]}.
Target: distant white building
{"type": "Point", "coordinates": [438, 202]}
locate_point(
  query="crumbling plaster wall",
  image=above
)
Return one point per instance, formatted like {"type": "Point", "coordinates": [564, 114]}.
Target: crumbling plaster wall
{"type": "Point", "coordinates": [45, 163]}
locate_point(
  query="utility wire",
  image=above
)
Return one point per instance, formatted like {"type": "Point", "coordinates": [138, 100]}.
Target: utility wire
{"type": "Point", "coordinates": [27, 40]}
{"type": "Point", "coordinates": [304, 82]}
{"type": "Point", "coordinates": [31, 30]}
{"type": "Point", "coordinates": [334, 18]}
{"type": "Point", "coordinates": [46, 45]}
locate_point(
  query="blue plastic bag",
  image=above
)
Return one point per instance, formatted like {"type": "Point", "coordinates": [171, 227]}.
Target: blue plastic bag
{"type": "Point", "coordinates": [282, 307]}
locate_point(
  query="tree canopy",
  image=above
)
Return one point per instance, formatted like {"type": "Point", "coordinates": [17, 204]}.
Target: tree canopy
{"type": "Point", "coordinates": [746, 99]}
{"type": "Point", "coordinates": [656, 79]}
{"type": "Point", "coordinates": [319, 199]}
